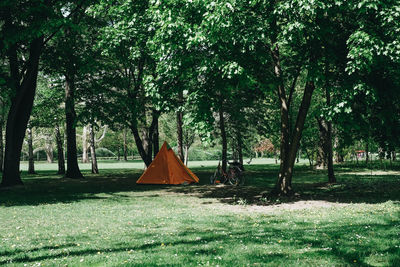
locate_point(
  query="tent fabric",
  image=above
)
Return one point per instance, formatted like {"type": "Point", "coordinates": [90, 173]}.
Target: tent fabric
{"type": "Point", "coordinates": [167, 168]}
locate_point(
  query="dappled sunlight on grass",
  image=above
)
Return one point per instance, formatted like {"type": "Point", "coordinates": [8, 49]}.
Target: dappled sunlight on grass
{"type": "Point", "coordinates": [109, 220]}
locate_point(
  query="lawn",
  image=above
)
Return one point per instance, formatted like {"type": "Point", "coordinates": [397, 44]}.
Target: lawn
{"type": "Point", "coordinates": [108, 220]}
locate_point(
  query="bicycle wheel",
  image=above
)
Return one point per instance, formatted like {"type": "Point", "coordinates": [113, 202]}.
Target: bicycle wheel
{"type": "Point", "coordinates": [233, 177]}
{"type": "Point", "coordinates": [234, 180]}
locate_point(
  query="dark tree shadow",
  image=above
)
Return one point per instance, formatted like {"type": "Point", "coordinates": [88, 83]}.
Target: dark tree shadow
{"type": "Point", "coordinates": [45, 187]}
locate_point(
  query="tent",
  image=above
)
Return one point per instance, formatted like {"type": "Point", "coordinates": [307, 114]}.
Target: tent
{"type": "Point", "coordinates": [167, 168]}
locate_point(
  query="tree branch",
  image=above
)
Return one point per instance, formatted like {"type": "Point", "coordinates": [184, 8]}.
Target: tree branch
{"type": "Point", "coordinates": [62, 25]}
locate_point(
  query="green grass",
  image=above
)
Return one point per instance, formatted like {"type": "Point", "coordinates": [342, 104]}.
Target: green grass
{"type": "Point", "coordinates": [108, 220]}
{"type": "Point", "coordinates": [138, 164]}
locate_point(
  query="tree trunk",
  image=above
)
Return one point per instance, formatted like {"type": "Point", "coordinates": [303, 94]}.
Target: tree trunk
{"type": "Point", "coordinates": [95, 169]}
{"type": "Point", "coordinates": [321, 161]}
{"type": "Point", "coordinates": [284, 184]}
{"type": "Point", "coordinates": [240, 149]}
{"type": "Point", "coordinates": [85, 152]}
{"type": "Point", "coordinates": [325, 151]}
{"type": "Point", "coordinates": [156, 136]}
{"type": "Point", "coordinates": [366, 152]}
{"type": "Point", "coordinates": [20, 110]}
{"type": "Point", "coordinates": [338, 157]}
{"type": "Point", "coordinates": [31, 168]}
{"type": "Point", "coordinates": [331, 172]}
{"type": "Point", "coordinates": [394, 155]}
{"type": "Point", "coordinates": [186, 158]}
{"type": "Point", "coordinates": [1, 146]}
{"type": "Point", "coordinates": [235, 156]}
{"type": "Point", "coordinates": [224, 139]}
{"type": "Point", "coordinates": [179, 129]}
{"type": "Point", "coordinates": [2, 117]}
{"type": "Point", "coordinates": [144, 144]}
{"type": "Point", "coordinates": [49, 150]}
{"type": "Point", "coordinates": [60, 152]}
{"type": "Point", "coordinates": [49, 155]}
{"type": "Point", "coordinates": [125, 147]}
{"type": "Point", "coordinates": [73, 170]}
{"type": "Point", "coordinates": [328, 144]}
{"type": "Point", "coordinates": [147, 145]}
{"type": "Point", "coordinates": [298, 156]}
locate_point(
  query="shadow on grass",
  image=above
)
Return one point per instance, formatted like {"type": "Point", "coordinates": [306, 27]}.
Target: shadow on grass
{"type": "Point", "coordinates": [304, 243]}
{"type": "Point", "coordinates": [47, 188]}
{"type": "Point", "coordinates": [308, 185]}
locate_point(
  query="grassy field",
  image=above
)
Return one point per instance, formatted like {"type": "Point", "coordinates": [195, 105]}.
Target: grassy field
{"type": "Point", "coordinates": [108, 220]}
{"type": "Point", "coordinates": [138, 164]}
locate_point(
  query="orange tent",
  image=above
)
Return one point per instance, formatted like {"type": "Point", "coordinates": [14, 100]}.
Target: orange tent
{"type": "Point", "coordinates": [167, 168]}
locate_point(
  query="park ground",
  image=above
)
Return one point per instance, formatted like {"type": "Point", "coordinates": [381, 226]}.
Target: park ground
{"type": "Point", "coordinates": [108, 220]}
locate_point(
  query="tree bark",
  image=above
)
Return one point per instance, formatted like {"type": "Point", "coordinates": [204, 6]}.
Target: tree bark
{"type": "Point", "coordinates": [85, 152]}
{"type": "Point", "coordinates": [95, 168]}
{"type": "Point", "coordinates": [49, 150]}
{"type": "Point", "coordinates": [20, 110]}
{"type": "Point", "coordinates": [31, 167]}
{"type": "Point", "coordinates": [156, 137]}
{"type": "Point", "coordinates": [186, 158]}
{"type": "Point", "coordinates": [1, 146]}
{"type": "Point", "coordinates": [325, 151]}
{"type": "Point", "coordinates": [331, 172]}
{"type": "Point", "coordinates": [146, 143]}
{"type": "Point", "coordinates": [240, 149]}
{"type": "Point", "coordinates": [179, 129]}
{"type": "Point", "coordinates": [188, 140]}
{"type": "Point", "coordinates": [60, 152]}
{"type": "Point", "coordinates": [322, 155]}
{"type": "Point", "coordinates": [125, 147]}
{"type": "Point", "coordinates": [235, 156]}
{"type": "Point", "coordinates": [73, 170]}
{"type": "Point", "coordinates": [224, 139]}
{"type": "Point", "coordinates": [284, 184]}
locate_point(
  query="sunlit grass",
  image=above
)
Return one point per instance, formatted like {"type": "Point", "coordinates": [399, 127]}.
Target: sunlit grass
{"type": "Point", "coordinates": [108, 220]}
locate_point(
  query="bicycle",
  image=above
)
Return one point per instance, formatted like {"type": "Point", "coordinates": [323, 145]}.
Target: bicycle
{"type": "Point", "coordinates": [234, 175]}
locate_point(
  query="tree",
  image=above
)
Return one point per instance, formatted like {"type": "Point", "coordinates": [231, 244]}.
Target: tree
{"type": "Point", "coordinates": [373, 69]}
{"type": "Point", "coordinates": [31, 168]}
{"type": "Point", "coordinates": [3, 114]}
{"type": "Point", "coordinates": [48, 115]}
{"type": "Point", "coordinates": [25, 33]}
{"type": "Point", "coordinates": [131, 79]}
{"type": "Point", "coordinates": [69, 57]}
{"type": "Point", "coordinates": [22, 82]}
